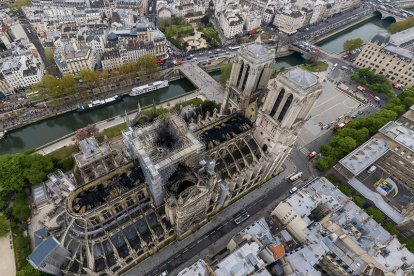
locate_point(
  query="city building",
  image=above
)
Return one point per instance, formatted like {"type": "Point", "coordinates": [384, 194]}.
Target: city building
{"type": "Point", "coordinates": [49, 256]}
{"type": "Point", "coordinates": [183, 168]}
{"type": "Point", "coordinates": [253, 20]}
{"type": "Point", "coordinates": [74, 57]}
{"type": "Point", "coordinates": [231, 20]}
{"type": "Point", "coordinates": [382, 169]}
{"type": "Point", "coordinates": [249, 252]}
{"type": "Point", "coordinates": [338, 237]}
{"type": "Point", "coordinates": [289, 21]}
{"type": "Point", "coordinates": [391, 56]}
{"type": "Point", "coordinates": [21, 71]}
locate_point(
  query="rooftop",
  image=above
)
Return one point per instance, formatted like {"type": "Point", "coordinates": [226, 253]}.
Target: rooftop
{"type": "Point", "coordinates": [243, 261]}
{"type": "Point", "coordinates": [302, 77]}
{"type": "Point", "coordinates": [44, 249]}
{"type": "Point", "coordinates": [399, 133]}
{"type": "Point", "coordinates": [346, 220]}
{"type": "Point", "coordinates": [225, 130]}
{"type": "Point", "coordinates": [199, 268]}
{"type": "Point", "coordinates": [362, 157]}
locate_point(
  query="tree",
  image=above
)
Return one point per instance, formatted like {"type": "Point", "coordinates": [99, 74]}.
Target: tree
{"type": "Point", "coordinates": [4, 226]}
{"type": "Point", "coordinates": [28, 270]}
{"type": "Point", "coordinates": [17, 170]}
{"type": "Point", "coordinates": [90, 78]}
{"type": "Point", "coordinates": [36, 167]}
{"type": "Point", "coordinates": [376, 214]}
{"type": "Point", "coordinates": [20, 209]}
{"type": "Point", "coordinates": [353, 44]}
{"type": "Point", "coordinates": [11, 174]}
{"type": "Point", "coordinates": [225, 74]}
{"type": "Point", "coordinates": [68, 85]}
{"type": "Point", "coordinates": [127, 68]}
{"type": "Point", "coordinates": [147, 65]}
{"type": "Point", "coordinates": [85, 132]}
{"type": "Point", "coordinates": [358, 201]}
{"type": "Point", "coordinates": [402, 25]}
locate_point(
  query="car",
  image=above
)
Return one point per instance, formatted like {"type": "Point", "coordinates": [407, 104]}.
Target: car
{"type": "Point", "coordinates": [164, 273]}
{"type": "Point", "coordinates": [312, 155]}
{"type": "Point", "coordinates": [293, 190]}
{"type": "Point", "coordinates": [354, 116]}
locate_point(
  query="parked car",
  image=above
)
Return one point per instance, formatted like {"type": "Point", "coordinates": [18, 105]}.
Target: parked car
{"type": "Point", "coordinates": [312, 155]}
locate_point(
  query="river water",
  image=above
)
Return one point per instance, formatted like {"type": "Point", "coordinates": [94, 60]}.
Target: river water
{"type": "Point", "coordinates": [40, 133]}
{"type": "Point", "coordinates": [366, 30]}
{"type": "Point", "coordinates": [43, 132]}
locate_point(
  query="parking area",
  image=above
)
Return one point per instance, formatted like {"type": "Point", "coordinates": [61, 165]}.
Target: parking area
{"type": "Point", "coordinates": [331, 106]}
{"type": "Point", "coordinates": [392, 192]}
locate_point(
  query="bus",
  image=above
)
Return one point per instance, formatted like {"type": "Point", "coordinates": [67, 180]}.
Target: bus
{"type": "Point", "coordinates": [234, 48]}
{"type": "Point", "coordinates": [295, 176]}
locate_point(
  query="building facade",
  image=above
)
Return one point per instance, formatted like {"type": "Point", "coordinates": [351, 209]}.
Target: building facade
{"type": "Point", "coordinates": [391, 56]}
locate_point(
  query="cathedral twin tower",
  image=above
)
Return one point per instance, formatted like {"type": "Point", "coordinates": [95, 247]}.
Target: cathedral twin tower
{"type": "Point", "coordinates": [279, 107]}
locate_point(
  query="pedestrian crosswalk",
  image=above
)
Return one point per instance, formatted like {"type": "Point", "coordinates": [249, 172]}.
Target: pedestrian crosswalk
{"type": "Point", "coordinates": [304, 150]}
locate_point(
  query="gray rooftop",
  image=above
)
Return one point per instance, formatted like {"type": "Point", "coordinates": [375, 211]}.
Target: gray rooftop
{"type": "Point", "coordinates": [43, 251]}
{"type": "Point", "coordinates": [363, 156]}
{"type": "Point", "coordinates": [302, 77]}
{"type": "Point", "coordinates": [257, 49]}
{"type": "Point", "coordinates": [403, 38]}
{"type": "Point", "coordinates": [400, 134]}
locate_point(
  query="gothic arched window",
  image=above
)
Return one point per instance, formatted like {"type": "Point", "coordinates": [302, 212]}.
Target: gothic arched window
{"type": "Point", "coordinates": [285, 108]}
{"type": "Point", "coordinates": [277, 103]}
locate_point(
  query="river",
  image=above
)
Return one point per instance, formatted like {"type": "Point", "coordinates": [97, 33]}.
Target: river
{"type": "Point", "coordinates": [365, 30]}
{"type": "Point", "coordinates": [43, 132]}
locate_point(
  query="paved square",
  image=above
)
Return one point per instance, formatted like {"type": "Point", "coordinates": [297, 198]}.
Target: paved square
{"type": "Point", "coordinates": [7, 264]}
{"type": "Point", "coordinates": [331, 105]}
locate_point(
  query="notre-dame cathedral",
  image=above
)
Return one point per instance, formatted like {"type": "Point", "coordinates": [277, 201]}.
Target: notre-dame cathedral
{"type": "Point", "coordinates": [177, 171]}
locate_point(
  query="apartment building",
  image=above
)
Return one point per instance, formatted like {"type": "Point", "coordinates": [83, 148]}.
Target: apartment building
{"type": "Point", "coordinates": [21, 72]}
{"type": "Point", "coordinates": [252, 20]}
{"type": "Point", "coordinates": [74, 57]}
{"type": "Point", "coordinates": [338, 237]}
{"type": "Point", "coordinates": [391, 56]}
{"type": "Point", "coordinates": [289, 21]}
{"type": "Point", "coordinates": [231, 20]}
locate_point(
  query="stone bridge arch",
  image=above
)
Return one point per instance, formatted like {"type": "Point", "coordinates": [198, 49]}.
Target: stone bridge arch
{"type": "Point", "coordinates": [385, 16]}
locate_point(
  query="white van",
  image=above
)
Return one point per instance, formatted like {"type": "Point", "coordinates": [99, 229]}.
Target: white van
{"type": "Point", "coordinates": [371, 169]}
{"type": "Point", "coordinates": [294, 189]}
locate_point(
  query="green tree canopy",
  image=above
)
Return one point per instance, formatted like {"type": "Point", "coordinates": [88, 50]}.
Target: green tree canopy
{"type": "Point", "coordinates": [376, 214]}
{"type": "Point", "coordinates": [401, 26]}
{"type": "Point", "coordinates": [16, 170]}
{"type": "Point", "coordinates": [225, 74]}
{"type": "Point", "coordinates": [4, 226]}
{"type": "Point", "coordinates": [91, 78]}
{"type": "Point", "coordinates": [353, 44]}
{"type": "Point", "coordinates": [147, 65]}
{"type": "Point", "coordinates": [20, 209]}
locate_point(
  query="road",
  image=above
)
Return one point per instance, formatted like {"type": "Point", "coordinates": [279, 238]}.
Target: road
{"type": "Point", "coordinates": [214, 236]}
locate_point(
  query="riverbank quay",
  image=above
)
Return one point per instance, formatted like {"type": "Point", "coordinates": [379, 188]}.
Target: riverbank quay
{"type": "Point", "coordinates": [69, 139]}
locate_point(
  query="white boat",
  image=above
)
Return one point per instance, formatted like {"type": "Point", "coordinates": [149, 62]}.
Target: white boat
{"type": "Point", "coordinates": [98, 103]}
{"type": "Point", "coordinates": [136, 91]}
{"type": "Point", "coordinates": [2, 134]}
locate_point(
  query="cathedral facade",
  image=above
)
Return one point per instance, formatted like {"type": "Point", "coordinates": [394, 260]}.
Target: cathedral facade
{"type": "Point", "coordinates": [183, 168]}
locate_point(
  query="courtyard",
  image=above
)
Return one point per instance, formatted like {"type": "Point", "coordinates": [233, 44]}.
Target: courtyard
{"type": "Point", "coordinates": [331, 107]}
